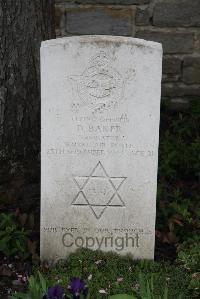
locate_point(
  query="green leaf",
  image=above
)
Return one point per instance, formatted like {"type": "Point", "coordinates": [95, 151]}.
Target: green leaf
{"type": "Point", "coordinates": [42, 282]}
{"type": "Point", "coordinates": [121, 296]}
{"type": "Point", "coordinates": [165, 293]}
{"type": "Point", "coordinates": [20, 296]}
{"type": "Point", "coordinates": [3, 242]}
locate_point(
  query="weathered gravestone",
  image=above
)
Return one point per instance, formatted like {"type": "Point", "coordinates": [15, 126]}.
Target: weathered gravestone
{"type": "Point", "coordinates": [100, 129]}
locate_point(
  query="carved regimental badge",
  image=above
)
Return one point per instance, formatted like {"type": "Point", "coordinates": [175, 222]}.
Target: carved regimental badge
{"type": "Point", "coordinates": [100, 86]}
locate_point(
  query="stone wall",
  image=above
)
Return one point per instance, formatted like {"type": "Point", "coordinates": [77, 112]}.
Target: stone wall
{"type": "Point", "coordinates": [174, 23]}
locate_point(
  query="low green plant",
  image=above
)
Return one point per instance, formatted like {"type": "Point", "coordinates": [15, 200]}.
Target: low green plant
{"type": "Point", "coordinates": [194, 286]}
{"type": "Point", "coordinates": [37, 288]}
{"type": "Point", "coordinates": [121, 296]}
{"type": "Point", "coordinates": [112, 275]}
{"type": "Point", "coordinates": [13, 238]}
{"type": "Point", "coordinates": [189, 255]}
{"type": "Point", "coordinates": [146, 288]}
{"type": "Point", "coordinates": [109, 276]}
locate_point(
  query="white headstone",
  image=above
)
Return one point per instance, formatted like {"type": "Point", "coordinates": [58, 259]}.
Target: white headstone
{"type": "Point", "coordinates": [100, 131]}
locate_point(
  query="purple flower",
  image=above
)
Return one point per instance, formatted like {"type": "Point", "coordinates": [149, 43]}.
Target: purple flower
{"type": "Point", "coordinates": [56, 292]}
{"type": "Point", "coordinates": [77, 287]}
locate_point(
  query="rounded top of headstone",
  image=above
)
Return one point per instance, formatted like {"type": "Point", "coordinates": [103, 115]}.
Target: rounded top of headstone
{"type": "Point", "coordinates": [117, 40]}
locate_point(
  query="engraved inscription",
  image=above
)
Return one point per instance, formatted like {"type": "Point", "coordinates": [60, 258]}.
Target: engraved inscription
{"type": "Point", "coordinates": [98, 191]}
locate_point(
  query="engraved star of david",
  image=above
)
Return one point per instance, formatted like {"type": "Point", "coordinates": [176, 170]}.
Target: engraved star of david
{"type": "Point", "coordinates": [98, 191]}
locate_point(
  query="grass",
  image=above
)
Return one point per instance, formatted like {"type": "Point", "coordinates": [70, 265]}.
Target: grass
{"type": "Point", "coordinates": [115, 274]}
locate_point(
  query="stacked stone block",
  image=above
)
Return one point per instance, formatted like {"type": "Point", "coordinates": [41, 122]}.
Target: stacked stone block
{"type": "Point", "coordinates": [174, 23]}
